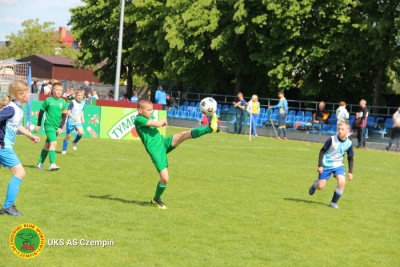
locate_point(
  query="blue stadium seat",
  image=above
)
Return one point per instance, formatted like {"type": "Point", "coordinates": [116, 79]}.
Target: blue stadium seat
{"type": "Point", "coordinates": [199, 116]}
{"type": "Point", "coordinates": [371, 121]}
{"type": "Point", "coordinates": [332, 120]}
{"type": "Point", "coordinates": [389, 123]}
{"type": "Point", "coordinates": [292, 113]}
{"type": "Point", "coordinates": [171, 113]}
{"type": "Point", "coordinates": [262, 110]}
{"type": "Point", "coordinates": [178, 114]}
{"type": "Point", "coordinates": [325, 128]}
{"type": "Point", "coordinates": [186, 103]}
{"type": "Point", "coordinates": [308, 114]}
{"type": "Point", "coordinates": [192, 104]}
{"type": "Point", "coordinates": [182, 108]}
{"type": "Point", "coordinates": [300, 113]}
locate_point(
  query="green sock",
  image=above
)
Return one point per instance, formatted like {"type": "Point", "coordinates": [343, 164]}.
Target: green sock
{"type": "Point", "coordinates": [52, 156]}
{"type": "Point", "coordinates": [43, 156]}
{"type": "Point", "coordinates": [159, 190]}
{"type": "Point", "coordinates": [197, 132]}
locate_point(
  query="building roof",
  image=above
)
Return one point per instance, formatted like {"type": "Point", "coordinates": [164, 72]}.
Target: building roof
{"type": "Point", "coordinates": [55, 60]}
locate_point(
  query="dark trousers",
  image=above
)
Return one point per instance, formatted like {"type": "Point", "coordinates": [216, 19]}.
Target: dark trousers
{"type": "Point", "coordinates": [361, 136]}
{"type": "Point", "coordinates": [239, 122]}
{"type": "Point", "coordinates": [395, 136]}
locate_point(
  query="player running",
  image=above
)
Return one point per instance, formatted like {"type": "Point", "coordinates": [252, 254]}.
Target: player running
{"type": "Point", "coordinates": [56, 113]}
{"type": "Point", "coordinates": [331, 162]}
{"type": "Point", "coordinates": [75, 120]}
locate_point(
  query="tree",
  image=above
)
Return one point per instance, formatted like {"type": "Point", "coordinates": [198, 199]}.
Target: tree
{"type": "Point", "coordinates": [35, 38]}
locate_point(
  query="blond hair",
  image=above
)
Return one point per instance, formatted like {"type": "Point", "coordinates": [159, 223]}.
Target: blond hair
{"type": "Point", "coordinates": [143, 102]}
{"type": "Point", "coordinates": [342, 103]}
{"type": "Point", "coordinates": [17, 86]}
{"type": "Point", "coordinates": [254, 97]}
{"type": "Point", "coordinates": [346, 123]}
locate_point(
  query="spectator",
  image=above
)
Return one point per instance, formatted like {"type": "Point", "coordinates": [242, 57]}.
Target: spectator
{"type": "Point", "coordinates": [240, 107]}
{"type": "Point", "coordinates": [321, 115]}
{"type": "Point", "coordinates": [47, 88]}
{"type": "Point", "coordinates": [94, 94]}
{"type": "Point", "coordinates": [134, 97]}
{"type": "Point", "coordinates": [160, 96]}
{"type": "Point", "coordinates": [124, 98]}
{"type": "Point", "coordinates": [341, 113]}
{"type": "Point", "coordinates": [283, 111]}
{"type": "Point", "coordinates": [170, 101]}
{"type": "Point", "coordinates": [110, 95]}
{"type": "Point", "coordinates": [86, 87]}
{"type": "Point", "coordinates": [253, 107]}
{"type": "Point", "coordinates": [395, 130]}
{"type": "Point", "coordinates": [34, 87]}
{"type": "Point", "coordinates": [361, 123]}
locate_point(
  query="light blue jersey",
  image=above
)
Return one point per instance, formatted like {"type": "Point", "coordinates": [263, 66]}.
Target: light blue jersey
{"type": "Point", "coordinates": [76, 110]}
{"type": "Point", "coordinates": [335, 150]}
{"type": "Point", "coordinates": [10, 119]}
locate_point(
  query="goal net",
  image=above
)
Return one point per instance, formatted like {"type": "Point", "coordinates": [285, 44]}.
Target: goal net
{"type": "Point", "coordinates": [11, 70]}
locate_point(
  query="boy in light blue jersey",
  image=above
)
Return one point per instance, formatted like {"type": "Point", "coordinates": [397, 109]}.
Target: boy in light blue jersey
{"type": "Point", "coordinates": [75, 120]}
{"type": "Point", "coordinates": [283, 111]}
{"type": "Point", "coordinates": [10, 123]}
{"type": "Point", "coordinates": [331, 162]}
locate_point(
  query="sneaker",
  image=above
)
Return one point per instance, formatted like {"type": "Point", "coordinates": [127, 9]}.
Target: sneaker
{"type": "Point", "coordinates": [53, 167]}
{"type": "Point", "coordinates": [63, 152]}
{"type": "Point", "coordinates": [311, 191]}
{"type": "Point", "coordinates": [74, 147]}
{"type": "Point", "coordinates": [334, 205]}
{"type": "Point", "coordinates": [10, 211]}
{"type": "Point", "coordinates": [214, 123]}
{"type": "Point", "coordinates": [159, 204]}
{"type": "Point", "coordinates": [40, 166]}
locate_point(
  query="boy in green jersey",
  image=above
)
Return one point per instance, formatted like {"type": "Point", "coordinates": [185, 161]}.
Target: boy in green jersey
{"type": "Point", "coordinates": [159, 146]}
{"type": "Point", "coordinates": [56, 113]}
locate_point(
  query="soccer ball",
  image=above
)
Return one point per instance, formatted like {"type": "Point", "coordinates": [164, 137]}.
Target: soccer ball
{"type": "Point", "coordinates": [208, 106]}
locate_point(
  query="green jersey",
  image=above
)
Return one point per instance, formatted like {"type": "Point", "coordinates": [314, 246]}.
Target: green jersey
{"type": "Point", "coordinates": [53, 108]}
{"type": "Point", "coordinates": [150, 136]}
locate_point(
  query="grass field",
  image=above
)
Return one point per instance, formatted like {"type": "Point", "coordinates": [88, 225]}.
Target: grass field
{"type": "Point", "coordinates": [230, 202]}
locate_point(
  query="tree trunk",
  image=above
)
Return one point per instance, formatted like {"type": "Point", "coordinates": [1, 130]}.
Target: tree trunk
{"type": "Point", "coordinates": [378, 86]}
{"type": "Point", "coordinates": [129, 82]}
{"type": "Point", "coordinates": [238, 81]}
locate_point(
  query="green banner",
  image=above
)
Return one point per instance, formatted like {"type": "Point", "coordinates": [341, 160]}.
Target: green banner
{"type": "Point", "coordinates": [91, 125]}
{"type": "Point", "coordinates": [118, 123]}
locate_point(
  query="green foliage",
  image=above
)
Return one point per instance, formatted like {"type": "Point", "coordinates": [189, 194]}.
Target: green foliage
{"type": "Point", "coordinates": [36, 39]}
{"type": "Point", "coordinates": [327, 49]}
{"type": "Point", "coordinates": [231, 202]}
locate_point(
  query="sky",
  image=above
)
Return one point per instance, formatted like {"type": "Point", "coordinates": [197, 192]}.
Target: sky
{"type": "Point", "coordinates": [13, 12]}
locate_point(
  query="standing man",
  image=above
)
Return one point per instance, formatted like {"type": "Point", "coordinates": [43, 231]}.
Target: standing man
{"type": "Point", "coordinates": [86, 87]}
{"type": "Point", "coordinates": [361, 122]}
{"type": "Point", "coordinates": [160, 96]}
{"type": "Point", "coordinates": [283, 111]}
{"type": "Point", "coordinates": [240, 107]}
{"type": "Point", "coordinates": [395, 130]}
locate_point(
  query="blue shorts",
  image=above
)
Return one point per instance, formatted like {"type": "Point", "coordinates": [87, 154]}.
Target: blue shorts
{"type": "Point", "coordinates": [8, 158]}
{"type": "Point", "coordinates": [72, 126]}
{"type": "Point", "coordinates": [326, 174]}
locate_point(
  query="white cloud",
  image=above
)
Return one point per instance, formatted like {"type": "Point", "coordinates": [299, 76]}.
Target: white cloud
{"type": "Point", "coordinates": [8, 2]}
{"type": "Point", "coordinates": [11, 20]}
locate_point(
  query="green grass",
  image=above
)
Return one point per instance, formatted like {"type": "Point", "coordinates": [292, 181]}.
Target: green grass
{"type": "Point", "coordinates": [230, 202]}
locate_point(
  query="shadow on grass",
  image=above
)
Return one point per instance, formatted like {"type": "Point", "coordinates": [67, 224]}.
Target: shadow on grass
{"type": "Point", "coordinates": [305, 201]}
{"type": "Point", "coordinates": [109, 197]}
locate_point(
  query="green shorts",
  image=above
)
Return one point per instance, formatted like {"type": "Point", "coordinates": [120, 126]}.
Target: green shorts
{"type": "Point", "coordinates": [159, 155]}
{"type": "Point", "coordinates": [51, 134]}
